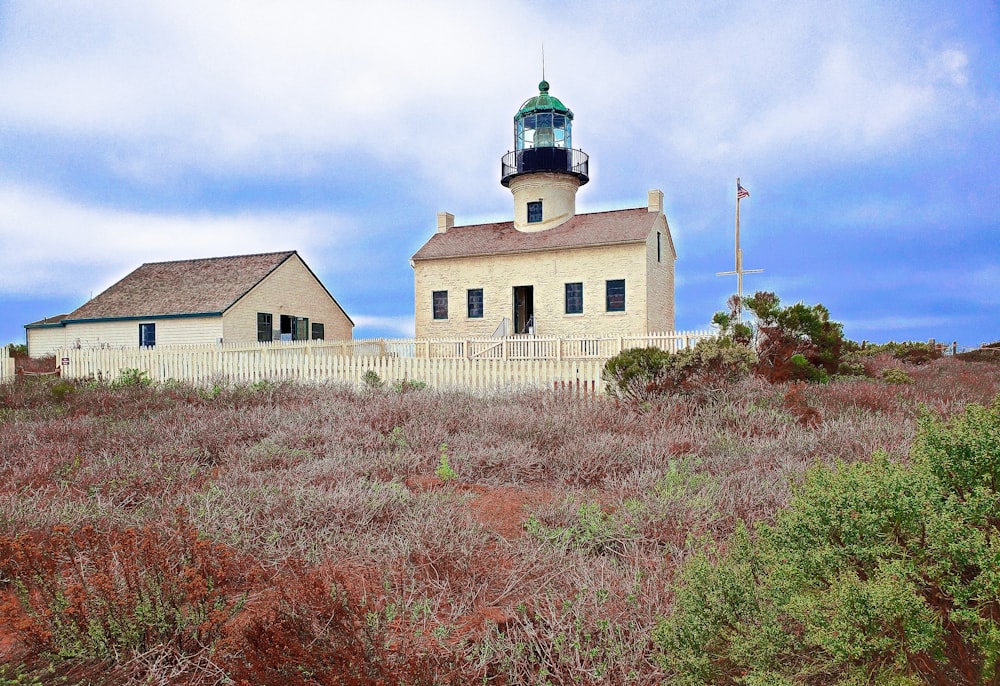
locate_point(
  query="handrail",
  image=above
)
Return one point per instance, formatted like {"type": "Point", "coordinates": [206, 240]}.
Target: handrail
{"type": "Point", "coordinates": [565, 160]}
{"type": "Point", "coordinates": [503, 330]}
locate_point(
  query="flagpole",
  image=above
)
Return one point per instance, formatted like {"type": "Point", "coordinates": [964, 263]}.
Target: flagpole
{"type": "Point", "coordinates": [741, 193]}
{"type": "Point", "coordinates": [739, 256]}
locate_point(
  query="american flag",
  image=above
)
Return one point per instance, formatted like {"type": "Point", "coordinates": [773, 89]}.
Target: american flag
{"type": "Point", "coordinates": [741, 192]}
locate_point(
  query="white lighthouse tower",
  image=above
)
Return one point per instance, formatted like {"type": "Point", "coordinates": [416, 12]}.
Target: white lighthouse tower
{"type": "Point", "coordinates": [543, 171]}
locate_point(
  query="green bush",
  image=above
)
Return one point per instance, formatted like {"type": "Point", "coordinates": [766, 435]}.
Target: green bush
{"type": "Point", "coordinates": [593, 531]}
{"type": "Point", "coordinates": [132, 378]}
{"type": "Point", "coordinates": [61, 389]}
{"type": "Point", "coordinates": [712, 364]}
{"type": "Point", "coordinates": [876, 573]}
{"type": "Point", "coordinates": [896, 376]}
{"type": "Point", "coordinates": [642, 373]}
{"type": "Point", "coordinates": [372, 380]}
{"type": "Point", "coordinates": [635, 374]}
{"type": "Point", "coordinates": [408, 385]}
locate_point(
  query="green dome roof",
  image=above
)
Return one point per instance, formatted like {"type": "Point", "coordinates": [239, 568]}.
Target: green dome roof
{"type": "Point", "coordinates": [543, 102]}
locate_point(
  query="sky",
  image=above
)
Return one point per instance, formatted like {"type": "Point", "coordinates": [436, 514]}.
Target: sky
{"type": "Point", "coordinates": [868, 135]}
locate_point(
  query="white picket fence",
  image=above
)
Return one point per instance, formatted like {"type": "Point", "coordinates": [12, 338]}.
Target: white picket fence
{"type": "Point", "coordinates": [7, 372]}
{"type": "Point", "coordinates": [478, 364]}
{"type": "Point", "coordinates": [248, 366]}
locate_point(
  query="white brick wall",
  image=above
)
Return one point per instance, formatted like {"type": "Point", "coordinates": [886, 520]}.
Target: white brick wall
{"type": "Point", "coordinates": [548, 272]}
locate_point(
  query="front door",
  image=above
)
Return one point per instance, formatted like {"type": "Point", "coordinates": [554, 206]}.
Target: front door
{"type": "Point", "coordinates": [524, 309]}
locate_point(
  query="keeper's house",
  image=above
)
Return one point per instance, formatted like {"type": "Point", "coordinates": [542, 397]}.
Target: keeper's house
{"type": "Point", "coordinates": [550, 271]}
{"type": "Point", "coordinates": [239, 299]}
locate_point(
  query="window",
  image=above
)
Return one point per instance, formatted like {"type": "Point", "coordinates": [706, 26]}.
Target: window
{"type": "Point", "coordinates": [301, 332]}
{"type": "Point", "coordinates": [574, 298]}
{"type": "Point", "coordinates": [475, 296]}
{"type": "Point", "coordinates": [535, 212]}
{"type": "Point", "coordinates": [147, 335]}
{"type": "Point", "coordinates": [294, 328]}
{"type": "Point", "coordinates": [658, 246]}
{"type": "Point", "coordinates": [616, 295]}
{"type": "Point", "coordinates": [264, 327]}
{"type": "Point", "coordinates": [317, 332]}
{"type": "Point", "coordinates": [440, 299]}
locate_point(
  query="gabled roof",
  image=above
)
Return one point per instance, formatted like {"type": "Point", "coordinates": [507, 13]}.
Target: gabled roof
{"type": "Point", "coordinates": [583, 230]}
{"type": "Point", "coordinates": [183, 287]}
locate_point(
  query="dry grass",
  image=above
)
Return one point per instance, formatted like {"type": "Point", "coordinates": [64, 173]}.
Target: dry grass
{"type": "Point", "coordinates": [312, 522]}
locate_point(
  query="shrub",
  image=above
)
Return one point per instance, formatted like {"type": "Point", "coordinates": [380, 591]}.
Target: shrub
{"type": "Point", "coordinates": [18, 349]}
{"type": "Point", "coordinates": [408, 385]}
{"type": "Point", "coordinates": [59, 390]}
{"type": "Point", "coordinates": [877, 572]}
{"type": "Point", "coordinates": [896, 376]}
{"type": "Point", "coordinates": [86, 594]}
{"type": "Point", "coordinates": [636, 373]}
{"type": "Point", "coordinates": [444, 471]}
{"type": "Point", "coordinates": [642, 373]}
{"type": "Point", "coordinates": [372, 380]}
{"type": "Point", "coordinates": [132, 378]}
{"type": "Point", "coordinates": [593, 531]}
{"type": "Point", "coordinates": [913, 352]}
{"type": "Point", "coordinates": [712, 364]}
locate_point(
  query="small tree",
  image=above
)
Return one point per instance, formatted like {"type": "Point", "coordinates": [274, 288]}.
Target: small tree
{"type": "Point", "coordinates": [797, 342]}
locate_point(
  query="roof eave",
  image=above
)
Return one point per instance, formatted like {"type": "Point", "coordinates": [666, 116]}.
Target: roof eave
{"type": "Point", "coordinates": [631, 241]}
{"type": "Point", "coordinates": [183, 315]}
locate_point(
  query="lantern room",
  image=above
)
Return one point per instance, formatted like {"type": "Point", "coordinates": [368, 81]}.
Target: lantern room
{"type": "Point", "coordinates": [543, 122]}
{"type": "Point", "coordinates": [543, 140]}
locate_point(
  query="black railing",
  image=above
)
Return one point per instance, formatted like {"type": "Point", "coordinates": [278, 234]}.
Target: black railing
{"type": "Point", "coordinates": [565, 160]}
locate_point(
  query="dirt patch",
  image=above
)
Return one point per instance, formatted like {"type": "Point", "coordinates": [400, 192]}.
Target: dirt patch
{"type": "Point", "coordinates": [503, 510]}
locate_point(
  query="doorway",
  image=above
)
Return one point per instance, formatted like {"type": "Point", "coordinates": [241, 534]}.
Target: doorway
{"type": "Point", "coordinates": [524, 309]}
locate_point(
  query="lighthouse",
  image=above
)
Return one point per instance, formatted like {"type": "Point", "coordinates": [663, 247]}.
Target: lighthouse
{"type": "Point", "coordinates": [544, 171]}
{"type": "Point", "coordinates": [548, 271]}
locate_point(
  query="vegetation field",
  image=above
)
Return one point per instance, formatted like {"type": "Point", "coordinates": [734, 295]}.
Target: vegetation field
{"type": "Point", "coordinates": [291, 534]}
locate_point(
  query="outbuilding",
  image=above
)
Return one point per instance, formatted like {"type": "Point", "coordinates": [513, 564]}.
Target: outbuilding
{"type": "Point", "coordinates": [238, 299]}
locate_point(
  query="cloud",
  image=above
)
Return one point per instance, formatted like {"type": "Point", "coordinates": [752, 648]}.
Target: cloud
{"type": "Point", "coordinates": [278, 88]}
{"type": "Point", "coordinates": [400, 326]}
{"type": "Point", "coordinates": [233, 84]}
{"type": "Point", "coordinates": [65, 247]}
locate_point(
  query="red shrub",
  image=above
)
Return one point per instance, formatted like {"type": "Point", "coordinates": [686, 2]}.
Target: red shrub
{"type": "Point", "coordinates": [90, 594]}
{"type": "Point", "coordinates": [795, 401]}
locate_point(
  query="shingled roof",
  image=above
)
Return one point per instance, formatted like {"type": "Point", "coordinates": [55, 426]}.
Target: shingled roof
{"type": "Point", "coordinates": [583, 230]}
{"type": "Point", "coordinates": [183, 287]}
